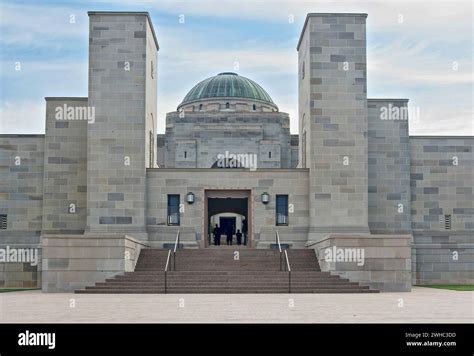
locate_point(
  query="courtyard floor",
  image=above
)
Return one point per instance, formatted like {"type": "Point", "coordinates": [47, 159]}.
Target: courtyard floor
{"type": "Point", "coordinates": [422, 305]}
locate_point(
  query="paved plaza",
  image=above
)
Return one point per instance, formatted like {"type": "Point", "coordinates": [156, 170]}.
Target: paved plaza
{"type": "Point", "coordinates": [422, 305]}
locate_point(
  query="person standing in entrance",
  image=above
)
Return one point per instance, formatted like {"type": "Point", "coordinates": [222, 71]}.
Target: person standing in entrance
{"type": "Point", "coordinates": [239, 237]}
{"type": "Point", "coordinates": [217, 235]}
{"type": "Point", "coordinates": [244, 230]}
{"type": "Point", "coordinates": [229, 234]}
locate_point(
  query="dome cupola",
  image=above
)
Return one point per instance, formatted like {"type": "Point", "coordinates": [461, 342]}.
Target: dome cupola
{"type": "Point", "coordinates": [225, 87]}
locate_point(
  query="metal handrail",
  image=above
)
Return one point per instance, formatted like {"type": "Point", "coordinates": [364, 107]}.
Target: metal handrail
{"type": "Point", "coordinates": [176, 243]}
{"type": "Point", "coordinates": [166, 268]}
{"type": "Point", "coordinates": [289, 271]}
{"type": "Point", "coordinates": [277, 237]}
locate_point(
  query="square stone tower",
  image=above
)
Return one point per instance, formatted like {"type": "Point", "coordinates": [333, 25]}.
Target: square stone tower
{"type": "Point", "coordinates": [120, 143]}
{"type": "Point", "coordinates": [333, 121]}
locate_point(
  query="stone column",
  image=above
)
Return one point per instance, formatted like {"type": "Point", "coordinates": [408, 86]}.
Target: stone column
{"type": "Point", "coordinates": [333, 121]}
{"type": "Point", "coordinates": [122, 81]}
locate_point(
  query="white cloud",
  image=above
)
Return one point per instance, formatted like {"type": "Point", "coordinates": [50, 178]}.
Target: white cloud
{"type": "Point", "coordinates": [27, 115]}
{"type": "Point", "coordinates": [423, 72]}
{"type": "Point", "coordinates": [442, 121]}
{"type": "Point", "coordinates": [416, 64]}
{"type": "Point", "coordinates": [401, 61]}
{"type": "Point", "coordinates": [179, 71]}
{"type": "Point", "coordinates": [33, 26]}
{"type": "Point", "coordinates": [382, 13]}
{"type": "Point", "coordinates": [261, 59]}
{"type": "Point", "coordinates": [22, 104]}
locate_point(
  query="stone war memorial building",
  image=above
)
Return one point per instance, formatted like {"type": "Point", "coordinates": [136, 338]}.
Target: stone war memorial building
{"type": "Point", "coordinates": [352, 203]}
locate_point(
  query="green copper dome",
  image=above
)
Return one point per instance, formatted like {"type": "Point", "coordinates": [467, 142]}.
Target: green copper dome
{"type": "Point", "coordinates": [227, 85]}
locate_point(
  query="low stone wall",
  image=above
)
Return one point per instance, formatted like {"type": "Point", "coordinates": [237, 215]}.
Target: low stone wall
{"type": "Point", "coordinates": [160, 236]}
{"type": "Point", "coordinates": [386, 262]}
{"type": "Point", "coordinates": [292, 236]}
{"type": "Point", "coordinates": [443, 257]}
{"type": "Point", "coordinates": [72, 262]}
{"type": "Point", "coordinates": [19, 275]}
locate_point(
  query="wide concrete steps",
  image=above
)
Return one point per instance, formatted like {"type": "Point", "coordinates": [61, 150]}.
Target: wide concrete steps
{"type": "Point", "coordinates": [229, 286]}
{"type": "Point", "coordinates": [226, 271]}
{"type": "Point", "coordinates": [219, 291]}
{"type": "Point", "coordinates": [227, 260]}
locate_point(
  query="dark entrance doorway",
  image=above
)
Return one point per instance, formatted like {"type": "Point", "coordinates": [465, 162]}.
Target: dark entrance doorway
{"type": "Point", "coordinates": [230, 211]}
{"type": "Point", "coordinates": [228, 223]}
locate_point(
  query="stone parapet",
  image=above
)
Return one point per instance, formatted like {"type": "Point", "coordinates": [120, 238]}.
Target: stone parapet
{"type": "Point", "coordinates": [382, 262]}
{"type": "Point", "coordinates": [72, 262]}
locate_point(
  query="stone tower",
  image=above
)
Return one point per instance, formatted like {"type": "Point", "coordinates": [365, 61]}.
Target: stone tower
{"type": "Point", "coordinates": [333, 122]}
{"type": "Point", "coordinates": [120, 143]}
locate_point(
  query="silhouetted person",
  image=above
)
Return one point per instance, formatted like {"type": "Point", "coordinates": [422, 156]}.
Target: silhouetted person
{"type": "Point", "coordinates": [239, 237]}
{"type": "Point", "coordinates": [229, 234]}
{"type": "Point", "coordinates": [244, 230]}
{"type": "Point", "coordinates": [217, 235]}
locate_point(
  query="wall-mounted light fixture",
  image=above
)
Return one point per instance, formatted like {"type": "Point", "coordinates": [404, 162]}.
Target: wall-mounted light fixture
{"type": "Point", "coordinates": [190, 198]}
{"type": "Point", "coordinates": [265, 198]}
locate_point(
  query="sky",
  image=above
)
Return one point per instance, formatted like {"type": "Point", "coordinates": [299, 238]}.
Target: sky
{"type": "Point", "coordinates": [416, 50]}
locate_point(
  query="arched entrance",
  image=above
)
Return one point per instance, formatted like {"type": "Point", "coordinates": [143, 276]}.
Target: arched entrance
{"type": "Point", "coordinates": [230, 210]}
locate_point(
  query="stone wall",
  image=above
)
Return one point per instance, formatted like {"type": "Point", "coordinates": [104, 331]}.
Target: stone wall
{"type": "Point", "coordinates": [442, 176]}
{"type": "Point", "coordinates": [294, 140]}
{"type": "Point", "coordinates": [386, 263]}
{"type": "Point", "coordinates": [20, 275]}
{"type": "Point", "coordinates": [389, 168]}
{"type": "Point", "coordinates": [73, 262]}
{"type": "Point", "coordinates": [65, 168]}
{"type": "Point", "coordinates": [334, 104]}
{"type": "Point", "coordinates": [161, 182]}
{"type": "Point", "coordinates": [118, 141]}
{"type": "Point", "coordinates": [21, 199]}
{"type": "Point", "coordinates": [21, 183]}
{"type": "Point", "coordinates": [205, 135]}
{"type": "Point", "coordinates": [160, 150]}
{"type": "Point", "coordinates": [304, 96]}
{"type": "Point", "coordinates": [443, 257]}
{"type": "Point", "coordinates": [151, 80]}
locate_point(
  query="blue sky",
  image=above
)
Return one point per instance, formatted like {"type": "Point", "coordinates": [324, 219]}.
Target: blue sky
{"type": "Point", "coordinates": [416, 50]}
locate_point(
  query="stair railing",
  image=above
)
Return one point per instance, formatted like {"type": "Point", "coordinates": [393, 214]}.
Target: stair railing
{"type": "Point", "coordinates": [289, 271]}
{"type": "Point", "coordinates": [166, 269]}
{"type": "Point", "coordinates": [176, 244]}
{"type": "Point", "coordinates": [277, 237]}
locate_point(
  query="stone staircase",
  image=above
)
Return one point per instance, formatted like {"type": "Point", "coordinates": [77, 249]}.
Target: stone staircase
{"type": "Point", "coordinates": [227, 270]}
